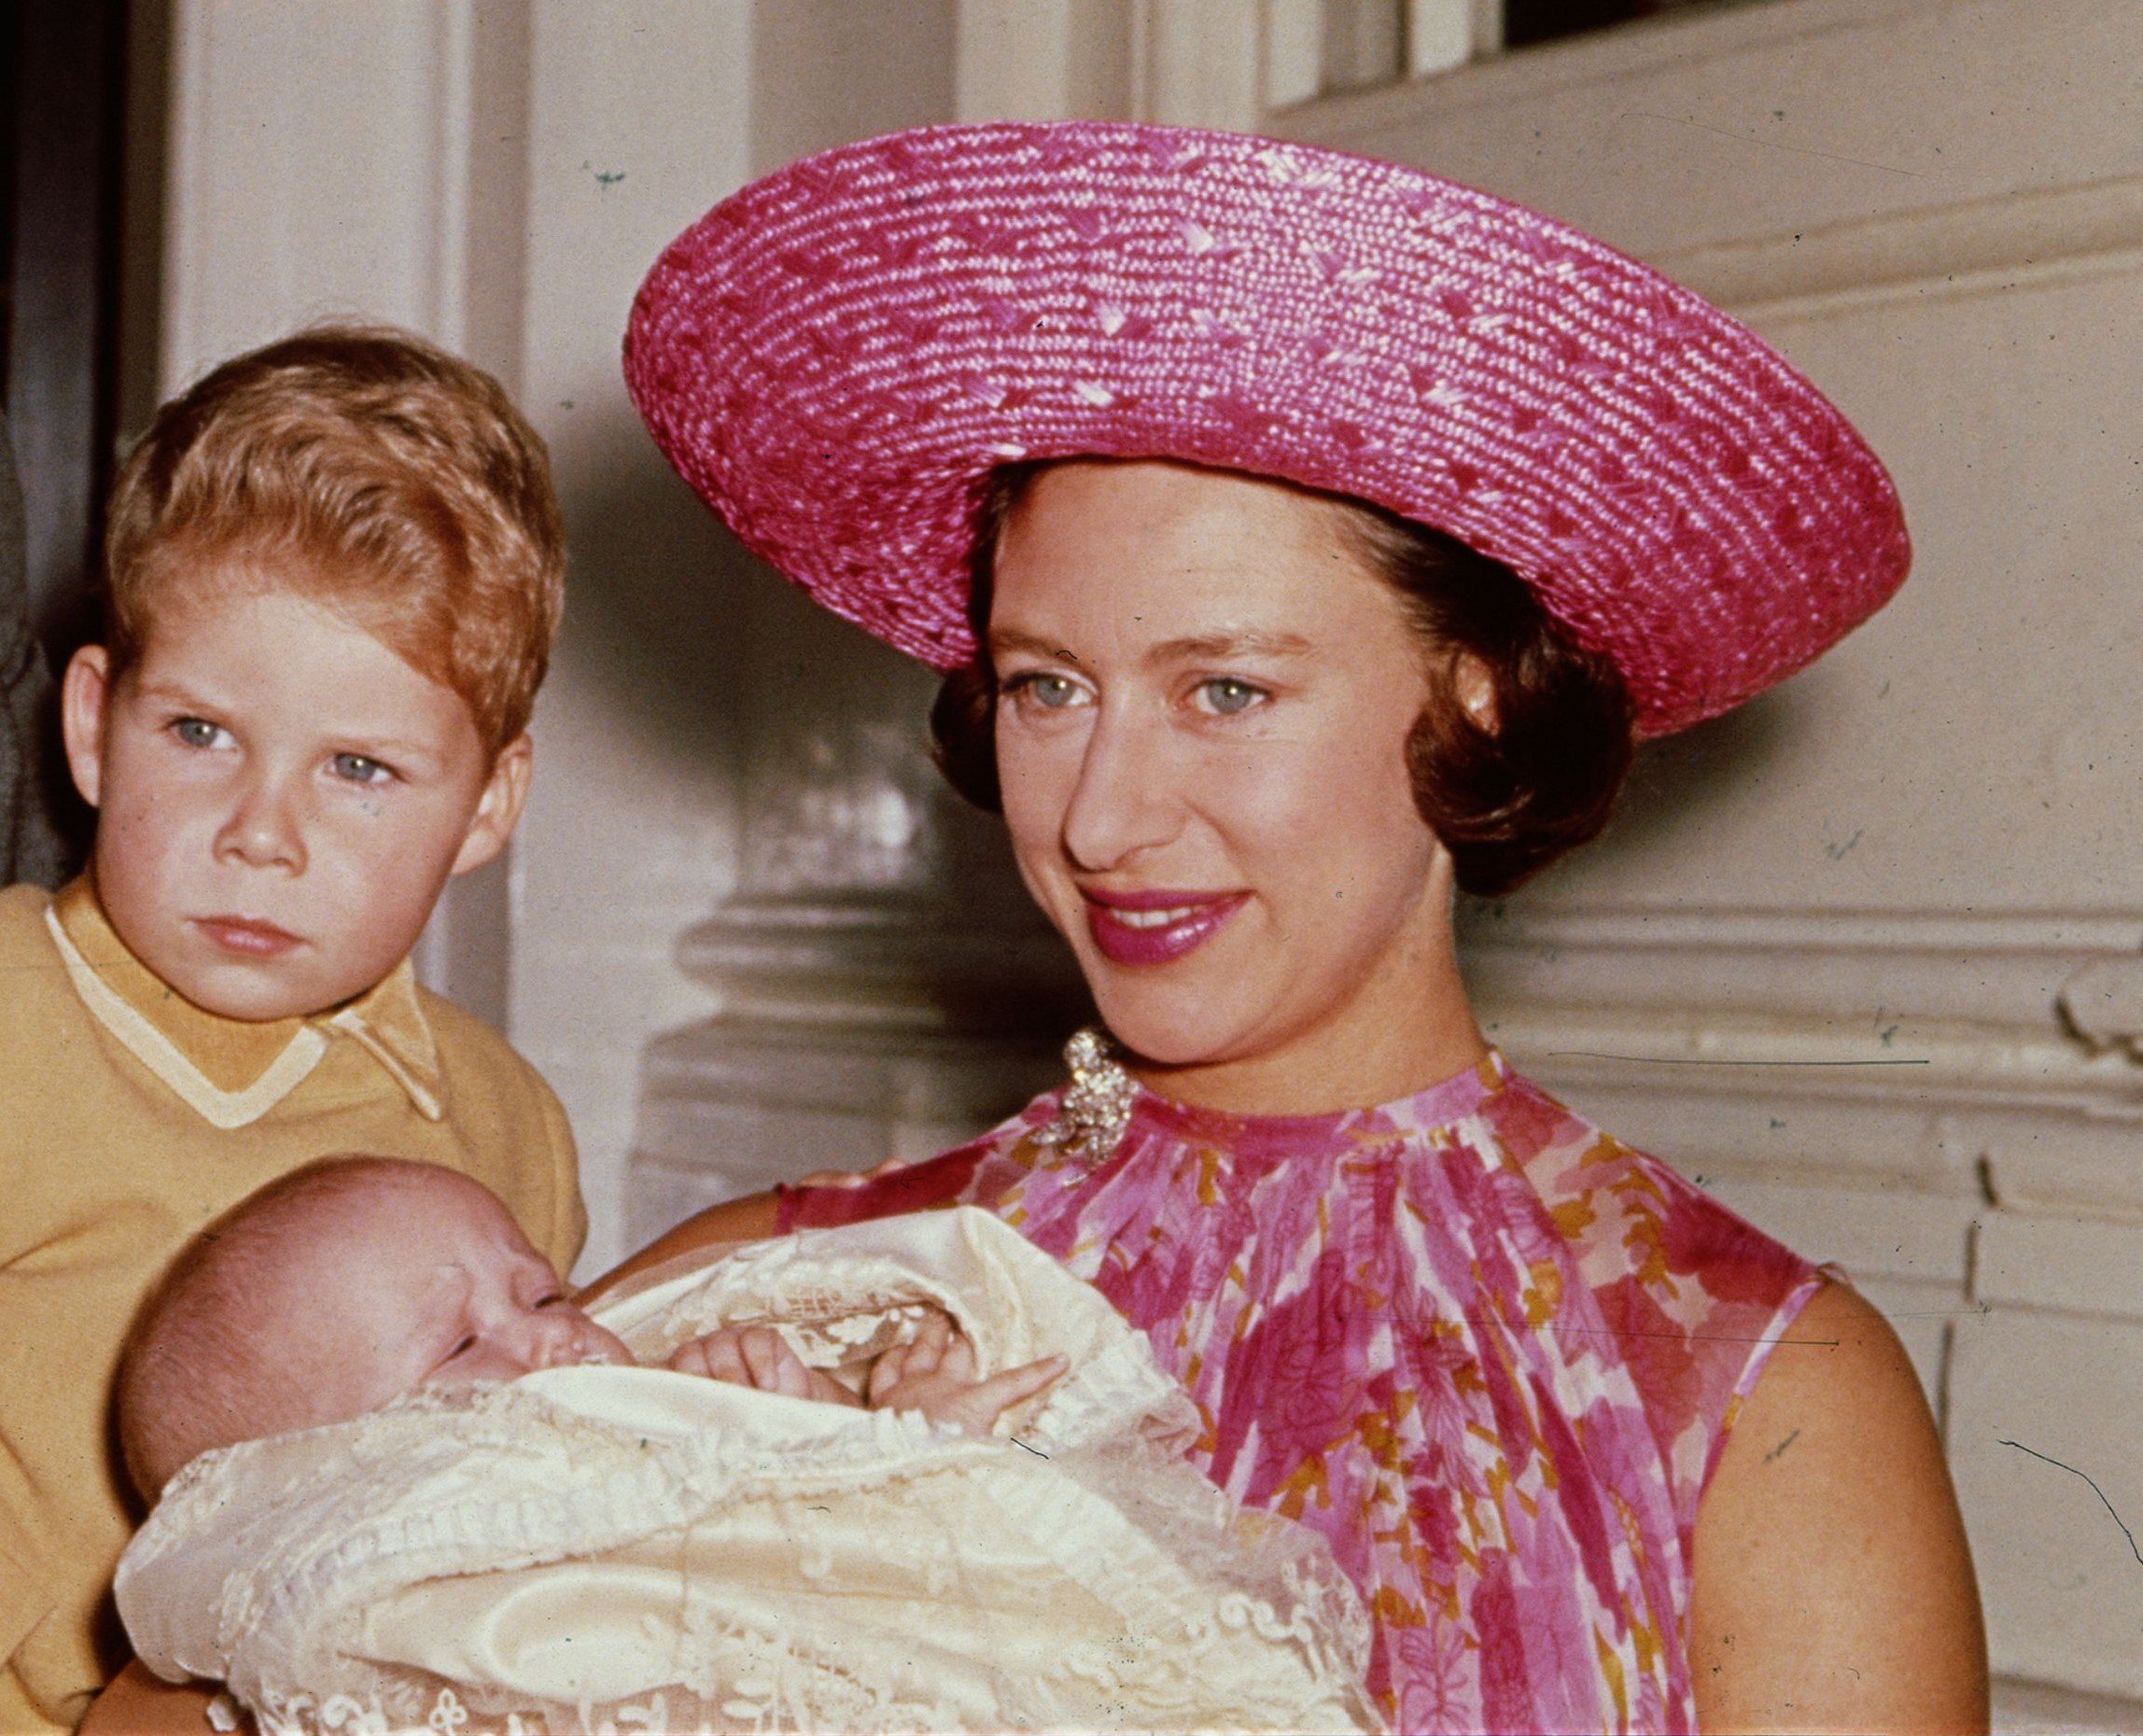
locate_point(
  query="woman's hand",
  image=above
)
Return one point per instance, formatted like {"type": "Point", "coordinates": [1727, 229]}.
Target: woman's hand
{"type": "Point", "coordinates": [757, 1356]}
{"type": "Point", "coordinates": [1833, 1584]}
{"type": "Point", "coordinates": [936, 1375]}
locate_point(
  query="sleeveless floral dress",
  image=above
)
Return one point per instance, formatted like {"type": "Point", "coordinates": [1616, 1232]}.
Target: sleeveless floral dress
{"type": "Point", "coordinates": [1487, 1351]}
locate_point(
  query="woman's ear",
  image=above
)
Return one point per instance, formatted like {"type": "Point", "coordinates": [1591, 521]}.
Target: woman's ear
{"type": "Point", "coordinates": [498, 809]}
{"type": "Point", "coordinates": [1476, 690]}
{"type": "Point", "coordinates": [85, 691]}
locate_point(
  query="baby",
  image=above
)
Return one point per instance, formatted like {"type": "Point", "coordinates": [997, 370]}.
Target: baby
{"type": "Point", "coordinates": [446, 1497]}
{"type": "Point", "coordinates": [355, 1280]}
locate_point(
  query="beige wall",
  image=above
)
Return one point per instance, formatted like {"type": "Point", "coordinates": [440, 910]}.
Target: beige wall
{"type": "Point", "coordinates": [746, 932]}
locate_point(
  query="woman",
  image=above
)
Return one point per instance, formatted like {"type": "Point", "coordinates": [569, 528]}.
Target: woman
{"type": "Point", "coordinates": [1336, 530]}
{"type": "Point", "coordinates": [1305, 538]}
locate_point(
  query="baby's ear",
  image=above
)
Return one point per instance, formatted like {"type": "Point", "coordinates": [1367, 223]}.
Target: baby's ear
{"type": "Point", "coordinates": [498, 809]}
{"type": "Point", "coordinates": [85, 695]}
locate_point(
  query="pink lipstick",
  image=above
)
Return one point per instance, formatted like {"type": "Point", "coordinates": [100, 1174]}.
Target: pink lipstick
{"type": "Point", "coordinates": [251, 937]}
{"type": "Point", "coordinates": [1158, 927]}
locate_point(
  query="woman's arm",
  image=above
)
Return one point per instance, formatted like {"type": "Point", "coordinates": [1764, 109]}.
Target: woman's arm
{"type": "Point", "coordinates": [750, 1219]}
{"type": "Point", "coordinates": [136, 1703]}
{"type": "Point", "coordinates": [753, 1218]}
{"type": "Point", "coordinates": [1834, 1587]}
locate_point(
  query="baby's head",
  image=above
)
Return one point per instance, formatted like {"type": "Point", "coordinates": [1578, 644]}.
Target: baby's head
{"type": "Point", "coordinates": [341, 1286]}
{"type": "Point", "coordinates": [333, 576]}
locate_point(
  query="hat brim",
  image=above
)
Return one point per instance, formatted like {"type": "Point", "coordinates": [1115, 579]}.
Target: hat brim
{"type": "Point", "coordinates": [836, 358]}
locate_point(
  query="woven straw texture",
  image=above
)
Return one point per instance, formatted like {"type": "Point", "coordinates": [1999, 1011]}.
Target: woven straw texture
{"type": "Point", "coordinates": [836, 357]}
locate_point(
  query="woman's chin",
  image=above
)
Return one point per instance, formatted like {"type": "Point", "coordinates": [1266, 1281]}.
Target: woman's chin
{"type": "Point", "coordinates": [1171, 1031]}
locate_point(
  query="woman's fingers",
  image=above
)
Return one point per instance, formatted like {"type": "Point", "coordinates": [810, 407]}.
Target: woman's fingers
{"type": "Point", "coordinates": [932, 1338]}
{"type": "Point", "coordinates": [888, 1372]}
{"type": "Point", "coordinates": [956, 1363]}
{"type": "Point", "coordinates": [774, 1367]}
{"type": "Point", "coordinates": [714, 1355]}
{"type": "Point", "coordinates": [760, 1357]}
{"type": "Point", "coordinates": [996, 1395]}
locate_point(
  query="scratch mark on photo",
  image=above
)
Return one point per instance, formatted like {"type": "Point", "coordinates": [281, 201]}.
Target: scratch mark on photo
{"type": "Point", "coordinates": [2057, 1465]}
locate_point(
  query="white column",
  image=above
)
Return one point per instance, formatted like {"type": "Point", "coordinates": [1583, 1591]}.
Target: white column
{"type": "Point", "coordinates": [1202, 64]}
{"type": "Point", "coordinates": [1045, 60]}
{"type": "Point", "coordinates": [1444, 34]}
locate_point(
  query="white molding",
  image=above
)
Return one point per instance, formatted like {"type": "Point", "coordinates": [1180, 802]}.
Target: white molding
{"type": "Point", "coordinates": [2031, 1120]}
{"type": "Point", "coordinates": [453, 112]}
{"type": "Point", "coordinates": [1973, 247]}
{"type": "Point", "coordinates": [192, 57]}
{"type": "Point", "coordinates": [1849, 969]}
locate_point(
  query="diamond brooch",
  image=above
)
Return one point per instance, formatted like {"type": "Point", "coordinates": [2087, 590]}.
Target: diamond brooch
{"type": "Point", "coordinates": [1097, 1105]}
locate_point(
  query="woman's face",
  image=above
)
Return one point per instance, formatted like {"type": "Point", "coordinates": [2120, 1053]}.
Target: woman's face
{"type": "Point", "coordinates": [1204, 703]}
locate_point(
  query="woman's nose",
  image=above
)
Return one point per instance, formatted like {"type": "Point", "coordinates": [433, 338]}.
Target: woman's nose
{"type": "Point", "coordinates": [1125, 800]}
{"type": "Point", "coordinates": [265, 828]}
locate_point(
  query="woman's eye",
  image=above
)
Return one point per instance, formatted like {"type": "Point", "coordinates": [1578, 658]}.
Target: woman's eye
{"type": "Point", "coordinates": [197, 732]}
{"type": "Point", "coordinates": [1227, 695]}
{"type": "Point", "coordinates": [555, 1299]}
{"type": "Point", "coordinates": [355, 768]}
{"type": "Point", "coordinates": [1053, 693]}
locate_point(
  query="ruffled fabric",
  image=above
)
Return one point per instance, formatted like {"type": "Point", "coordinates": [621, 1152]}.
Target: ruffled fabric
{"type": "Point", "coordinates": [1491, 1354]}
{"type": "Point", "coordinates": [635, 1547]}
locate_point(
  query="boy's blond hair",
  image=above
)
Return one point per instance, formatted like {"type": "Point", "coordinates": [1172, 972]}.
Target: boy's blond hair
{"type": "Point", "coordinates": [371, 471]}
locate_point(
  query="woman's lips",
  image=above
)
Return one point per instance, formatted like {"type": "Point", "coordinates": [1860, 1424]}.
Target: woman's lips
{"type": "Point", "coordinates": [249, 936]}
{"type": "Point", "coordinates": [1155, 927]}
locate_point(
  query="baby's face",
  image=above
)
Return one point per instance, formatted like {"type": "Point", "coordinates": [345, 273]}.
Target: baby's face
{"type": "Point", "coordinates": [431, 1285]}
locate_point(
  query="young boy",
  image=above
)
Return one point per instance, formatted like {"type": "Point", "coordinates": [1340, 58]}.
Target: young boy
{"type": "Point", "coordinates": [333, 572]}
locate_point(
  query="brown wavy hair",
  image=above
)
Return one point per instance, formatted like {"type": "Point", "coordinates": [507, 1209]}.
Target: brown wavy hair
{"type": "Point", "coordinates": [1505, 798]}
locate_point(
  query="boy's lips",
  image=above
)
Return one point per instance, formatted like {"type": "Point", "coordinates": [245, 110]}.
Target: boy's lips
{"type": "Point", "coordinates": [1156, 927]}
{"type": "Point", "coordinates": [252, 937]}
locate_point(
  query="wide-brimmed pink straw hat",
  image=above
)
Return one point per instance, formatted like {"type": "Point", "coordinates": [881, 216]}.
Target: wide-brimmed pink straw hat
{"type": "Point", "coordinates": [838, 357]}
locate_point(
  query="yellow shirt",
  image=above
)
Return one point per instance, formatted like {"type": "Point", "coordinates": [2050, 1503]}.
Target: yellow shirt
{"type": "Point", "coordinates": [129, 1118]}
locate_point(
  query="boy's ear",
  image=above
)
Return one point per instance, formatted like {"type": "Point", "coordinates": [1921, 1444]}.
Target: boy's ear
{"type": "Point", "coordinates": [84, 692]}
{"type": "Point", "coordinates": [498, 809]}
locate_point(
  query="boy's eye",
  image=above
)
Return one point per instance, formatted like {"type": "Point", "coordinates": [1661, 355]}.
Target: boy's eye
{"type": "Point", "coordinates": [357, 768]}
{"type": "Point", "coordinates": [197, 732]}
{"type": "Point", "coordinates": [462, 1348]}
{"type": "Point", "coordinates": [1227, 695]}
{"type": "Point", "coordinates": [555, 1299]}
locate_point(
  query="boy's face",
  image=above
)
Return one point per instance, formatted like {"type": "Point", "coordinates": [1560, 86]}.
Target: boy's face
{"type": "Point", "coordinates": [430, 1285]}
{"type": "Point", "coordinates": [280, 798]}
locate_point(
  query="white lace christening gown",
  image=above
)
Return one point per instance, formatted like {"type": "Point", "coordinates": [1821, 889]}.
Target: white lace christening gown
{"type": "Point", "coordinates": [639, 1549]}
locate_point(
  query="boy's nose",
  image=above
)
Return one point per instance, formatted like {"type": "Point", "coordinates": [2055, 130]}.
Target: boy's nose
{"type": "Point", "coordinates": [262, 829]}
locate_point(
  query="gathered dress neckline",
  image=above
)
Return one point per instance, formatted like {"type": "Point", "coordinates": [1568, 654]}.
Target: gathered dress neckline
{"type": "Point", "coordinates": [1489, 1351]}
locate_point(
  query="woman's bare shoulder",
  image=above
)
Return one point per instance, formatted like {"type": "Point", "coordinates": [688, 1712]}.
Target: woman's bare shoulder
{"type": "Point", "coordinates": [1833, 1584]}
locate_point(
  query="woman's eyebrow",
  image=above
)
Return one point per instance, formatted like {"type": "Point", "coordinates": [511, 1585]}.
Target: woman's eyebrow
{"type": "Point", "coordinates": [1004, 640]}
{"type": "Point", "coordinates": [1239, 642]}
